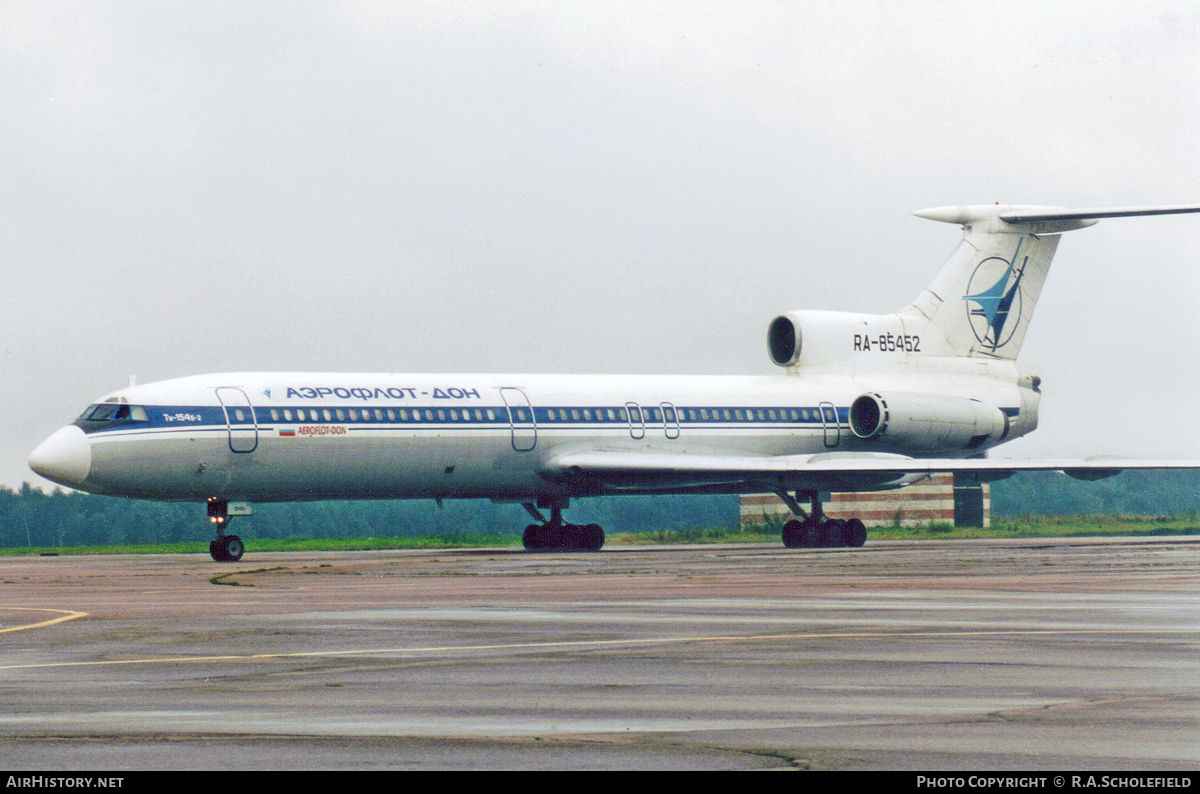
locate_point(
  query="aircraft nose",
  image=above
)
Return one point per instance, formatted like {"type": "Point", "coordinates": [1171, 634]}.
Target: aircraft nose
{"type": "Point", "coordinates": [64, 458]}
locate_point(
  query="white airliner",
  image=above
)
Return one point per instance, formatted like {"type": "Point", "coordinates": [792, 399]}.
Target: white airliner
{"type": "Point", "coordinates": [865, 403]}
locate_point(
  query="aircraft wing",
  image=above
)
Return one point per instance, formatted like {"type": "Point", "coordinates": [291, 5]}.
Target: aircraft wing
{"type": "Point", "coordinates": [831, 471]}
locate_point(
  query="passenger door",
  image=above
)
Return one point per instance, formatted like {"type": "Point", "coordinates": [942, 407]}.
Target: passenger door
{"type": "Point", "coordinates": [670, 420]}
{"type": "Point", "coordinates": [637, 425]}
{"type": "Point", "coordinates": [829, 419]}
{"type": "Point", "coordinates": [520, 419]}
{"type": "Point", "coordinates": [239, 419]}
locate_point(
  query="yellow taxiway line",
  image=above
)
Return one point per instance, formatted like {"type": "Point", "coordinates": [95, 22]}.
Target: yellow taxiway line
{"type": "Point", "coordinates": [64, 616]}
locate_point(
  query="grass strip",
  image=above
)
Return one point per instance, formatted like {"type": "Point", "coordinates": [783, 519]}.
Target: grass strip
{"type": "Point", "coordinates": [1022, 527]}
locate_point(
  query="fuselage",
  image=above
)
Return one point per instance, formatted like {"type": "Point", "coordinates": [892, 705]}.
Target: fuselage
{"type": "Point", "coordinates": [268, 437]}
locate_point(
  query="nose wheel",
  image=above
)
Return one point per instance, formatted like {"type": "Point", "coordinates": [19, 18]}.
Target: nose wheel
{"type": "Point", "coordinates": [227, 548]}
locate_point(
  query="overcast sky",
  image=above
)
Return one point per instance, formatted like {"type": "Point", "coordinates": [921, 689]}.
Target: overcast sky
{"type": "Point", "coordinates": [637, 187]}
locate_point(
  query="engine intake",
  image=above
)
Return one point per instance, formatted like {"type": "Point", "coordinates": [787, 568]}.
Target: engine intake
{"type": "Point", "coordinates": [784, 341]}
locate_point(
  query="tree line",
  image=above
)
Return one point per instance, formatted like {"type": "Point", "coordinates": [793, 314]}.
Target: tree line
{"type": "Point", "coordinates": [31, 517]}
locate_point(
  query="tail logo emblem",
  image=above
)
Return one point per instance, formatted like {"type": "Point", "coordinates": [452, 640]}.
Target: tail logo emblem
{"type": "Point", "coordinates": [989, 311]}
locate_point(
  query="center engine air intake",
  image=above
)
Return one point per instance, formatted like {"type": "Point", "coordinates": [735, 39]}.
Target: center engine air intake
{"type": "Point", "coordinates": [927, 422]}
{"type": "Point", "coordinates": [784, 340]}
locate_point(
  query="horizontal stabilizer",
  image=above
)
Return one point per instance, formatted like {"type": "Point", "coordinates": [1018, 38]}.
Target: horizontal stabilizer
{"type": "Point", "coordinates": [1094, 213]}
{"type": "Point", "coordinates": [1020, 214]}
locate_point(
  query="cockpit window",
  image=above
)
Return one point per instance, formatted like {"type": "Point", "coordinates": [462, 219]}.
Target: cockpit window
{"type": "Point", "coordinates": [102, 413]}
{"type": "Point", "coordinates": [112, 412]}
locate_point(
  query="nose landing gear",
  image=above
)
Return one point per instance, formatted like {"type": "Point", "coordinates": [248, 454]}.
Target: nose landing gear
{"type": "Point", "coordinates": [226, 548]}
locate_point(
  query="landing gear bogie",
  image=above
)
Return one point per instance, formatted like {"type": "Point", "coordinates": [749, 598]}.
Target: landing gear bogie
{"type": "Point", "coordinates": [555, 534]}
{"type": "Point", "coordinates": [566, 537]}
{"type": "Point", "coordinates": [817, 531]}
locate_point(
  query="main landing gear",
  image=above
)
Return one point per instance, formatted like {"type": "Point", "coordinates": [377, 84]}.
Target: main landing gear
{"type": "Point", "coordinates": [815, 530]}
{"type": "Point", "coordinates": [554, 534]}
{"type": "Point", "coordinates": [226, 548]}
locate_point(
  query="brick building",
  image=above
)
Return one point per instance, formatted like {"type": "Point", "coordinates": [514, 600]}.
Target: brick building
{"type": "Point", "coordinates": [935, 501]}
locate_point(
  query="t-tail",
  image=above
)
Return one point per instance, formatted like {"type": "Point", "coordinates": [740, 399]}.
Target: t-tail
{"type": "Point", "coordinates": [978, 306]}
{"type": "Point", "coordinates": [983, 298]}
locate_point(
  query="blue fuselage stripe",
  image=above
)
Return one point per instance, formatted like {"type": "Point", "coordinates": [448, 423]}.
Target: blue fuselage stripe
{"type": "Point", "coordinates": [200, 418]}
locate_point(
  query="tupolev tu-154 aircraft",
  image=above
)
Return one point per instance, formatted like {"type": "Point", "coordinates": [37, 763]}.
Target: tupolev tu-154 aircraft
{"type": "Point", "coordinates": [864, 403]}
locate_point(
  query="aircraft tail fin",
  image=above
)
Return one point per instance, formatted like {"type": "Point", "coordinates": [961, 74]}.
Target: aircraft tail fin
{"type": "Point", "coordinates": [983, 297]}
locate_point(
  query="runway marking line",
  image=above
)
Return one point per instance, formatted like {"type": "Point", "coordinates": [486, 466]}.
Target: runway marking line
{"type": "Point", "coordinates": [64, 616]}
{"type": "Point", "coordinates": [594, 644]}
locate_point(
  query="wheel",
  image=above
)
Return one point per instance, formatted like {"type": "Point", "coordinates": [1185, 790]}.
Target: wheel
{"type": "Point", "coordinates": [835, 533]}
{"type": "Point", "coordinates": [793, 534]}
{"type": "Point", "coordinates": [593, 537]}
{"type": "Point", "coordinates": [217, 551]}
{"type": "Point", "coordinates": [532, 539]}
{"type": "Point", "coordinates": [856, 533]}
{"type": "Point", "coordinates": [813, 534]}
{"type": "Point", "coordinates": [234, 548]}
{"type": "Point", "coordinates": [554, 536]}
{"type": "Point", "coordinates": [572, 537]}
